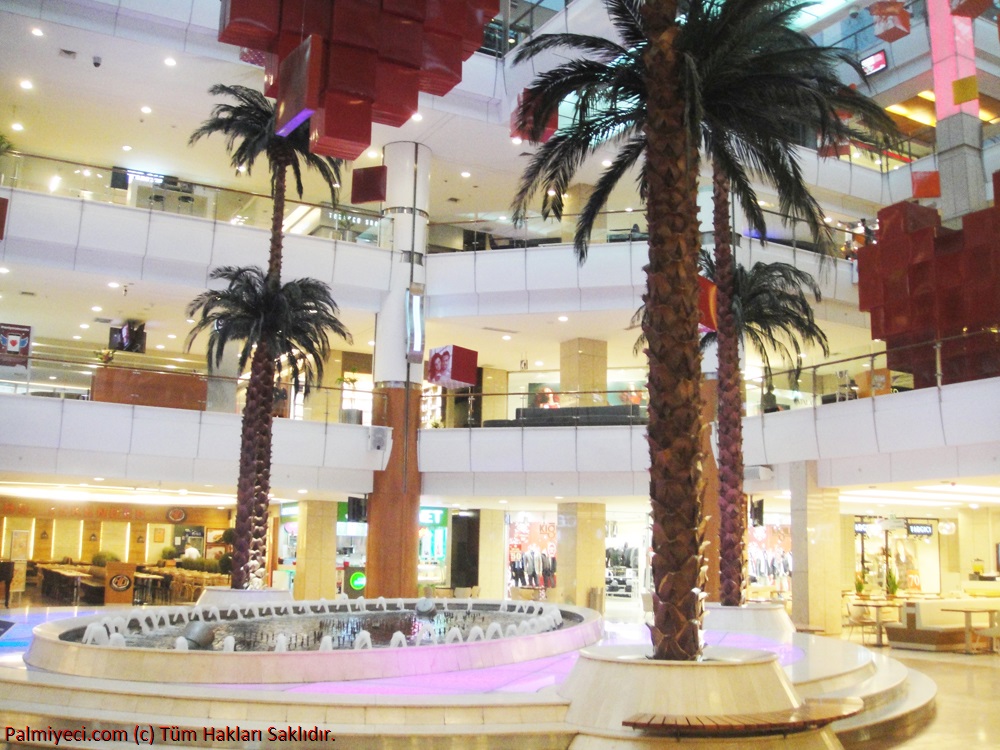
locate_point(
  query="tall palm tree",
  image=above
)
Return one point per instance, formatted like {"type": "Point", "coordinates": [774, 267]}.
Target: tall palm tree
{"type": "Point", "coordinates": [291, 322]}
{"type": "Point", "coordinates": [727, 74]}
{"type": "Point", "coordinates": [249, 127]}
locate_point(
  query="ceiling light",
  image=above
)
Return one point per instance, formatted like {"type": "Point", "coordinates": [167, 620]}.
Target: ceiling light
{"type": "Point", "coordinates": [146, 110]}
{"type": "Point", "coordinates": [126, 148]}
{"type": "Point", "coordinates": [606, 163]}
{"type": "Point", "coordinates": [170, 62]}
{"type": "Point", "coordinates": [926, 94]}
{"type": "Point", "coordinates": [516, 140]}
{"type": "Point", "coordinates": [171, 335]}
{"type": "Point", "coordinates": [84, 325]}
{"type": "Point", "coordinates": [171, 367]}
{"type": "Point", "coordinates": [160, 346]}
{"type": "Point", "coordinates": [17, 126]}
{"type": "Point", "coordinates": [98, 479]}
{"type": "Point", "coordinates": [550, 192]}
{"type": "Point", "coordinates": [502, 502]}
{"type": "Point", "coordinates": [26, 85]}
{"type": "Point", "coordinates": [77, 338]}
{"type": "Point", "coordinates": [302, 492]}
{"type": "Point", "coordinates": [371, 343]}
{"type": "Point", "coordinates": [96, 308]}
{"type": "Point", "coordinates": [189, 320]}
{"type": "Point", "coordinates": [974, 506]}
{"type": "Point", "coordinates": [538, 363]}
{"type": "Point", "coordinates": [628, 210]}
{"type": "Point", "coordinates": [53, 377]}
{"type": "Point", "coordinates": [372, 153]}
{"type": "Point", "coordinates": [4, 269]}
{"type": "Point", "coordinates": [466, 174]}
{"type": "Point", "coordinates": [114, 284]}
{"type": "Point", "coordinates": [416, 117]}
{"type": "Point", "coordinates": [505, 337]}
{"type": "Point", "coordinates": [37, 32]}
{"type": "Point", "coordinates": [562, 318]}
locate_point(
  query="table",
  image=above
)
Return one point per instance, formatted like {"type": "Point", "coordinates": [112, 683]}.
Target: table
{"type": "Point", "coordinates": [144, 587]}
{"type": "Point", "coordinates": [969, 612]}
{"type": "Point", "coordinates": [878, 606]}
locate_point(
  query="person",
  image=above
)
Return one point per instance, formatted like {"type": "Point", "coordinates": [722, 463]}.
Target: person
{"type": "Point", "coordinates": [768, 401]}
{"type": "Point", "coordinates": [191, 552]}
{"type": "Point", "coordinates": [869, 233]}
{"type": "Point", "coordinates": [632, 396]}
{"type": "Point", "coordinates": [545, 398]}
{"type": "Point", "coordinates": [434, 368]}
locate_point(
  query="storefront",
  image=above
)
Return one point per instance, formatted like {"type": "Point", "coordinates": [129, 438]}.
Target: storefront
{"type": "Point", "coordinates": [898, 555]}
{"type": "Point", "coordinates": [531, 554]}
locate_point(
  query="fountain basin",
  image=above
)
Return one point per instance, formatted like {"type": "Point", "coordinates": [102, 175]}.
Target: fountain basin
{"type": "Point", "coordinates": [52, 649]}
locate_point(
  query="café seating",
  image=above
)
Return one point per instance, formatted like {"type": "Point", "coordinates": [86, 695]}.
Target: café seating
{"type": "Point", "coordinates": [859, 617]}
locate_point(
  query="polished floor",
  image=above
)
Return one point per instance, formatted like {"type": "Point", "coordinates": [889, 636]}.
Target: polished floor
{"type": "Point", "coordinates": [968, 686]}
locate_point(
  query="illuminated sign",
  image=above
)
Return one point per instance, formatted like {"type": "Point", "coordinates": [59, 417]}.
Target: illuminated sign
{"type": "Point", "coordinates": [357, 580]}
{"type": "Point", "coordinates": [875, 62]}
{"type": "Point", "coordinates": [919, 529]}
{"type": "Point", "coordinates": [432, 517]}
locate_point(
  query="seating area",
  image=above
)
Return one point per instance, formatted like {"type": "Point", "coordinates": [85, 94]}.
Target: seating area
{"type": "Point", "coordinates": [574, 416]}
{"type": "Point", "coordinates": [928, 625]}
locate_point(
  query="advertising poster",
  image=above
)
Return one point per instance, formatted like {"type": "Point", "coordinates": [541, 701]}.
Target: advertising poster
{"type": "Point", "coordinates": [15, 343]}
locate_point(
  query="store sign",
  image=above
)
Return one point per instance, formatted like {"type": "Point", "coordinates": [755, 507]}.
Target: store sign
{"type": "Point", "coordinates": [433, 517]}
{"type": "Point", "coordinates": [919, 529]}
{"type": "Point", "coordinates": [357, 581]}
{"type": "Point", "coordinates": [874, 63]}
{"type": "Point", "coordinates": [870, 529]}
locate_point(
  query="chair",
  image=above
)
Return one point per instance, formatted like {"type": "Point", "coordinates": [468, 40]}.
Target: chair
{"type": "Point", "coordinates": [156, 201]}
{"type": "Point", "coordinates": [185, 203]}
{"type": "Point", "coordinates": [859, 617]}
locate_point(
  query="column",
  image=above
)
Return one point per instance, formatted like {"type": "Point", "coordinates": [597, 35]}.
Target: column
{"type": "Point", "coordinates": [492, 554]}
{"type": "Point", "coordinates": [816, 570]}
{"type": "Point", "coordinates": [579, 552]}
{"type": "Point", "coordinates": [573, 202]}
{"type": "Point", "coordinates": [583, 368]}
{"type": "Point", "coordinates": [959, 131]}
{"type": "Point", "coordinates": [316, 555]}
{"type": "Point", "coordinates": [394, 503]}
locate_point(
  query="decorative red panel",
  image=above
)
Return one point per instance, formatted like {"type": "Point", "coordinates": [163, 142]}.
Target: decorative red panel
{"type": "Point", "coordinates": [452, 366]}
{"type": "Point", "coordinates": [304, 17]}
{"type": "Point", "coordinates": [833, 150]}
{"type": "Point", "coordinates": [349, 130]}
{"type": "Point", "coordinates": [441, 15]}
{"type": "Point", "coordinates": [708, 308]}
{"type": "Point", "coordinates": [401, 41]}
{"type": "Point", "coordinates": [356, 22]}
{"type": "Point", "coordinates": [415, 10]}
{"type": "Point", "coordinates": [892, 20]}
{"type": "Point", "coordinates": [921, 279]}
{"type": "Point", "coordinates": [300, 85]}
{"type": "Point", "coordinates": [900, 219]}
{"type": "Point", "coordinates": [921, 243]}
{"type": "Point", "coordinates": [926, 184]}
{"type": "Point", "coordinates": [970, 8]}
{"type": "Point", "coordinates": [395, 93]}
{"type": "Point", "coordinates": [352, 71]}
{"type": "Point", "coordinates": [476, 19]}
{"type": "Point", "coordinates": [249, 23]}
{"type": "Point", "coordinates": [3, 216]}
{"type": "Point", "coordinates": [271, 66]}
{"type": "Point", "coordinates": [368, 185]}
{"type": "Point", "coordinates": [442, 67]}
{"type": "Point", "coordinates": [547, 132]}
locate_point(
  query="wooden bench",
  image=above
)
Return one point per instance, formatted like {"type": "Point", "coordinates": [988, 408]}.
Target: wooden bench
{"type": "Point", "coordinates": [813, 714]}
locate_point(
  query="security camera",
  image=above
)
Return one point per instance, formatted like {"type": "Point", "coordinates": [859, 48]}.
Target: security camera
{"type": "Point", "coordinates": [855, 11]}
{"type": "Point", "coordinates": [97, 61]}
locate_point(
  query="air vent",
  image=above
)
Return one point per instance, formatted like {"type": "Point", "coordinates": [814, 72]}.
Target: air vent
{"type": "Point", "coordinates": [499, 330]}
{"type": "Point", "coordinates": [453, 200]}
{"type": "Point", "coordinates": [102, 320]}
{"type": "Point", "coordinates": [68, 54]}
{"type": "Point", "coordinates": [28, 294]}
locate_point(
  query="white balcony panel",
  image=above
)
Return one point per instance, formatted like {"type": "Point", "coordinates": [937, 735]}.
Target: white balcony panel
{"type": "Point", "coordinates": [552, 484]}
{"type": "Point", "coordinates": [866, 184]}
{"type": "Point", "coordinates": [553, 300]}
{"type": "Point", "coordinates": [790, 436]}
{"type": "Point", "coordinates": [927, 464]}
{"type": "Point", "coordinates": [639, 448]}
{"type": "Point", "coordinates": [492, 483]}
{"type": "Point", "coordinates": [552, 268]}
{"type": "Point", "coordinates": [298, 443]}
{"type": "Point", "coordinates": [90, 426]}
{"type": "Point", "coordinates": [453, 305]}
{"type": "Point", "coordinates": [606, 266]}
{"type": "Point", "coordinates": [307, 258]}
{"type": "Point", "coordinates": [447, 272]}
{"type": "Point", "coordinates": [496, 449]}
{"type": "Point", "coordinates": [346, 447]}
{"type": "Point", "coordinates": [28, 459]}
{"type": "Point", "coordinates": [217, 472]}
{"type": "Point", "coordinates": [846, 428]}
{"type": "Point", "coordinates": [239, 246]}
{"type": "Point", "coordinates": [362, 266]}
{"type": "Point", "coordinates": [978, 460]}
{"type": "Point", "coordinates": [604, 448]}
{"type": "Point", "coordinates": [219, 437]}
{"type": "Point", "coordinates": [173, 12]}
{"type": "Point", "coordinates": [501, 271]}
{"type": "Point", "coordinates": [446, 485]}
{"type": "Point", "coordinates": [502, 303]}
{"type": "Point", "coordinates": [91, 463]}
{"type": "Point", "coordinates": [31, 421]}
{"type": "Point", "coordinates": [612, 484]}
{"type": "Point", "coordinates": [871, 469]}
{"type": "Point", "coordinates": [146, 468]}
{"type": "Point", "coordinates": [345, 480]}
{"type": "Point", "coordinates": [179, 238]}
{"type": "Point", "coordinates": [753, 441]}
{"type": "Point", "coordinates": [549, 449]}
{"type": "Point", "coordinates": [165, 432]}
{"type": "Point", "coordinates": [444, 450]}
{"type": "Point", "coordinates": [969, 413]}
{"type": "Point", "coordinates": [113, 229]}
{"type": "Point", "coordinates": [44, 218]}
{"type": "Point", "coordinates": [834, 175]}
{"type": "Point", "coordinates": [287, 479]}
{"type": "Point", "coordinates": [908, 421]}
{"type": "Point", "coordinates": [611, 298]}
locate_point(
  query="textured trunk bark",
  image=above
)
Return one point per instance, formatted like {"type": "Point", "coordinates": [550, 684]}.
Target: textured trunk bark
{"type": "Point", "coordinates": [671, 329]}
{"type": "Point", "coordinates": [249, 547]}
{"type": "Point", "coordinates": [729, 418]}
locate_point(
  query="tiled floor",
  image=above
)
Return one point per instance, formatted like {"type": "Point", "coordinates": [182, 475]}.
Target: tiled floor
{"type": "Point", "coordinates": [968, 686]}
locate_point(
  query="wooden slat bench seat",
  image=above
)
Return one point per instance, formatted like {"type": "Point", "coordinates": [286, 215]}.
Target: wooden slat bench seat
{"type": "Point", "coordinates": [813, 714]}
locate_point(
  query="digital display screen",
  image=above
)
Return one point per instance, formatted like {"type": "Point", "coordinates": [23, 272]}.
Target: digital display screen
{"type": "Point", "coordinates": [874, 63]}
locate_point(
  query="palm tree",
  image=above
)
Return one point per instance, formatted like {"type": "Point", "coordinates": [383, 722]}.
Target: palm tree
{"type": "Point", "coordinates": [250, 130]}
{"type": "Point", "coordinates": [716, 76]}
{"type": "Point", "coordinates": [291, 322]}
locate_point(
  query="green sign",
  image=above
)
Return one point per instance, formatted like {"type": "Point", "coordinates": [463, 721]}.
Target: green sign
{"type": "Point", "coordinates": [433, 517]}
{"type": "Point", "coordinates": [357, 580]}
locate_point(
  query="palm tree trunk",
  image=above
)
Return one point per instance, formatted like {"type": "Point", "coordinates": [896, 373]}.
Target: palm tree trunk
{"type": "Point", "coordinates": [671, 329]}
{"type": "Point", "coordinates": [277, 222]}
{"type": "Point", "coordinates": [732, 504]}
{"type": "Point", "coordinates": [249, 548]}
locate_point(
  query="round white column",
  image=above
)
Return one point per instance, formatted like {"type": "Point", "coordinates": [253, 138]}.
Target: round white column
{"type": "Point", "coordinates": [406, 203]}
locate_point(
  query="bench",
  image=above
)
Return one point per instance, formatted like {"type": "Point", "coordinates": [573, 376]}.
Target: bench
{"type": "Point", "coordinates": [923, 626]}
{"type": "Point", "coordinates": [573, 416]}
{"type": "Point", "coordinates": [815, 713]}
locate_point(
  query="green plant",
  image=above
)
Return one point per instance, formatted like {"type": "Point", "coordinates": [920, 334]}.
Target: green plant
{"type": "Point", "coordinates": [859, 583]}
{"type": "Point", "coordinates": [891, 582]}
{"type": "Point", "coordinates": [169, 552]}
{"type": "Point", "coordinates": [228, 536]}
{"type": "Point", "coordinates": [226, 564]}
{"type": "Point", "coordinates": [102, 558]}
{"type": "Point", "coordinates": [5, 144]}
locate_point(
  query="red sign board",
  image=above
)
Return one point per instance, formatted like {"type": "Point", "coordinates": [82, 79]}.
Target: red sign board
{"type": "Point", "coordinates": [452, 366]}
{"type": "Point", "coordinates": [15, 343]}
